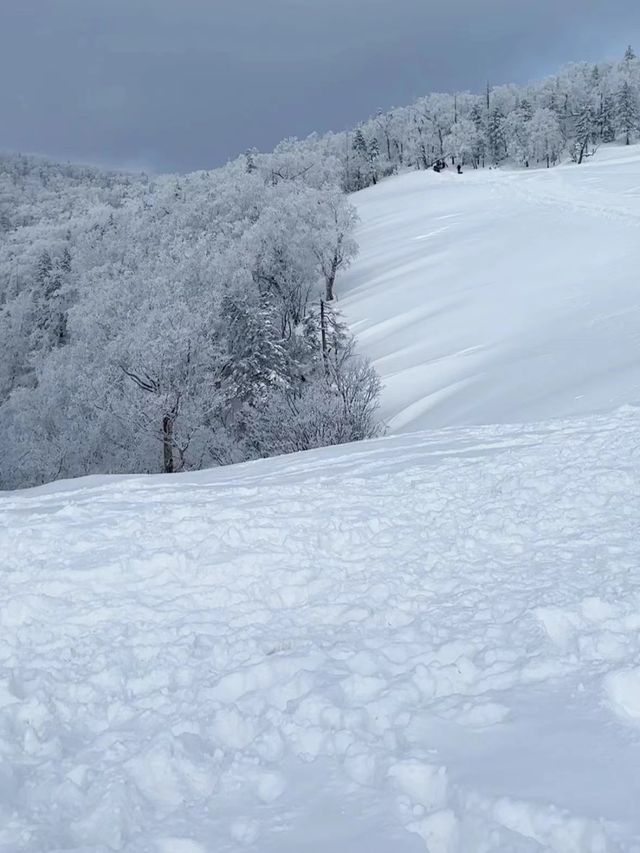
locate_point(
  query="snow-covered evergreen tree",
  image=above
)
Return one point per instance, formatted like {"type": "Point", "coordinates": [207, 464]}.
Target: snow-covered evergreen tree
{"type": "Point", "coordinates": [627, 111]}
{"type": "Point", "coordinates": [496, 136]}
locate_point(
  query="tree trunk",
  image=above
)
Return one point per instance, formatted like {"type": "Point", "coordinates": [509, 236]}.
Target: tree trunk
{"type": "Point", "coordinates": [167, 444]}
{"type": "Point", "coordinates": [330, 279]}
{"type": "Point", "coordinates": [328, 295]}
{"type": "Point", "coordinates": [323, 335]}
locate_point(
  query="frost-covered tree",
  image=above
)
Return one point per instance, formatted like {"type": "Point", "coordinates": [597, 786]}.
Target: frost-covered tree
{"type": "Point", "coordinates": [364, 166]}
{"type": "Point", "coordinates": [462, 142]}
{"type": "Point", "coordinates": [517, 133]}
{"type": "Point", "coordinates": [373, 157]}
{"type": "Point", "coordinates": [479, 119]}
{"type": "Point", "coordinates": [585, 132]}
{"type": "Point", "coordinates": [50, 295]}
{"type": "Point", "coordinates": [607, 117]}
{"type": "Point", "coordinates": [255, 356]}
{"type": "Point", "coordinates": [496, 138]}
{"type": "Point", "coordinates": [189, 305]}
{"type": "Point", "coordinates": [333, 245]}
{"type": "Point", "coordinates": [582, 97]}
{"type": "Point", "coordinates": [627, 111]}
{"type": "Point", "coordinates": [339, 408]}
{"type": "Point", "coordinates": [545, 137]}
{"type": "Point", "coordinates": [386, 126]}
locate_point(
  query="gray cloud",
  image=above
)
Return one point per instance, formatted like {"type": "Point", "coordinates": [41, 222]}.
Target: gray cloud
{"type": "Point", "coordinates": [185, 84]}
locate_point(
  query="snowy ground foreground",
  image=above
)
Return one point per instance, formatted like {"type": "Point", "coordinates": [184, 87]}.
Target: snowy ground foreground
{"type": "Point", "coordinates": [429, 642]}
{"type": "Point", "coordinates": [501, 296]}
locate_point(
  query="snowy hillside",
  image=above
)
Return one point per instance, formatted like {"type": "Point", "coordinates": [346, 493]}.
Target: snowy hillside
{"type": "Point", "coordinates": [427, 642]}
{"type": "Point", "coordinates": [501, 296]}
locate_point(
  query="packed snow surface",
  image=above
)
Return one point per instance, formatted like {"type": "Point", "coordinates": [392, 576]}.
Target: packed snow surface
{"type": "Point", "coordinates": [426, 642]}
{"type": "Point", "coordinates": [501, 296]}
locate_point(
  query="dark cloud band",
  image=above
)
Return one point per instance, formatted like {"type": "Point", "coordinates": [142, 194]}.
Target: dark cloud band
{"type": "Point", "coordinates": [187, 85]}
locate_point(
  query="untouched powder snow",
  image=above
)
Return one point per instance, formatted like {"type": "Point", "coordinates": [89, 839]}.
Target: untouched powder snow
{"type": "Point", "coordinates": [423, 643]}
{"type": "Point", "coordinates": [501, 296]}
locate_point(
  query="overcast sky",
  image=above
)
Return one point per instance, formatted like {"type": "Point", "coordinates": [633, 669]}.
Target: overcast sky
{"type": "Point", "coordinates": [187, 84]}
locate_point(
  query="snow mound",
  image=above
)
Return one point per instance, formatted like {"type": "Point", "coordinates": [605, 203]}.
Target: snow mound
{"type": "Point", "coordinates": [500, 296]}
{"type": "Point", "coordinates": [427, 642]}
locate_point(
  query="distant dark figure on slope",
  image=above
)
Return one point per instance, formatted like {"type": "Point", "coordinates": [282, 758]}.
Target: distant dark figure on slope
{"type": "Point", "coordinates": [459, 169]}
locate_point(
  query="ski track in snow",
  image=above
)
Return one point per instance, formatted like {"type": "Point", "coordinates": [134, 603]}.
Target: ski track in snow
{"type": "Point", "coordinates": [500, 296]}
{"type": "Point", "coordinates": [428, 642]}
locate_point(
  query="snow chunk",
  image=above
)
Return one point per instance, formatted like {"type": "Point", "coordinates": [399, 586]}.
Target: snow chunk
{"type": "Point", "coordinates": [424, 783]}
{"type": "Point", "coordinates": [439, 831]}
{"type": "Point", "coordinates": [622, 689]}
{"type": "Point", "coordinates": [245, 831]}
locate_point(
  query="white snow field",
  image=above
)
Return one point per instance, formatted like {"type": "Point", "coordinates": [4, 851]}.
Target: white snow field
{"type": "Point", "coordinates": [429, 642]}
{"type": "Point", "coordinates": [426, 642]}
{"type": "Point", "coordinates": [501, 296]}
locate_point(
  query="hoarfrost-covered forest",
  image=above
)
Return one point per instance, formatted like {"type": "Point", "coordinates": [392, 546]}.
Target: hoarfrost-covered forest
{"type": "Point", "coordinates": [173, 323]}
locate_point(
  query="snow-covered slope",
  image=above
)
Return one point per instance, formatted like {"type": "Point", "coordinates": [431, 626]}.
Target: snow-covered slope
{"type": "Point", "coordinates": [428, 642]}
{"type": "Point", "coordinates": [501, 296]}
